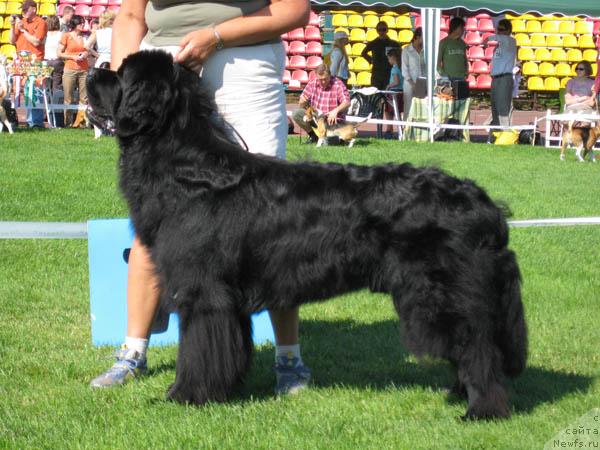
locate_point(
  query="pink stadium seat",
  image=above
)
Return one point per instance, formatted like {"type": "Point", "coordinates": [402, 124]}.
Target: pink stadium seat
{"type": "Point", "coordinates": [314, 19]}
{"type": "Point", "coordinates": [300, 75]}
{"type": "Point", "coordinates": [114, 2]}
{"type": "Point", "coordinates": [67, 2]}
{"type": "Point", "coordinates": [483, 16]}
{"type": "Point", "coordinates": [100, 2]}
{"type": "Point", "coordinates": [61, 7]}
{"type": "Point", "coordinates": [486, 26]}
{"type": "Point", "coordinates": [286, 76]}
{"type": "Point", "coordinates": [296, 35]}
{"type": "Point", "coordinates": [84, 2]}
{"type": "Point", "coordinates": [297, 48]}
{"type": "Point", "coordinates": [312, 33]}
{"type": "Point", "coordinates": [490, 43]}
{"type": "Point", "coordinates": [312, 62]}
{"type": "Point", "coordinates": [96, 10]}
{"type": "Point", "coordinates": [82, 10]}
{"type": "Point", "coordinates": [311, 75]}
{"type": "Point", "coordinates": [444, 24]}
{"type": "Point", "coordinates": [480, 67]}
{"type": "Point", "coordinates": [285, 36]}
{"type": "Point", "coordinates": [484, 82]}
{"type": "Point", "coordinates": [597, 27]}
{"type": "Point", "coordinates": [489, 53]}
{"type": "Point", "coordinates": [475, 53]}
{"type": "Point", "coordinates": [314, 48]}
{"type": "Point", "coordinates": [294, 84]}
{"type": "Point", "coordinates": [472, 81]}
{"type": "Point", "coordinates": [471, 24]}
{"type": "Point", "coordinates": [443, 34]}
{"type": "Point", "coordinates": [473, 38]}
{"type": "Point", "coordinates": [297, 62]}
{"type": "Point", "coordinates": [417, 21]}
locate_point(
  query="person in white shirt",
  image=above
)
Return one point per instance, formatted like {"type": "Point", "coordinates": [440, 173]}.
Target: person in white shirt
{"type": "Point", "coordinates": [102, 37]}
{"type": "Point", "coordinates": [412, 67]}
{"type": "Point", "coordinates": [503, 63]}
{"type": "Point", "coordinates": [4, 122]}
{"type": "Point", "coordinates": [339, 57]}
{"type": "Point", "coordinates": [50, 47]}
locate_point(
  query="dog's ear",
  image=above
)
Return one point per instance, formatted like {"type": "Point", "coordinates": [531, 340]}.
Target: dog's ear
{"type": "Point", "coordinates": [104, 92]}
{"type": "Point", "coordinates": [192, 100]}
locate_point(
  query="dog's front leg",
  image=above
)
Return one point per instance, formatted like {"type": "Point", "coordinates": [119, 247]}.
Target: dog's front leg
{"type": "Point", "coordinates": [215, 348]}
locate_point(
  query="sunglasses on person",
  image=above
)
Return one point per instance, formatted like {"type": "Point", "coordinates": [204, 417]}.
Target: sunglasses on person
{"type": "Point", "coordinates": [580, 69]}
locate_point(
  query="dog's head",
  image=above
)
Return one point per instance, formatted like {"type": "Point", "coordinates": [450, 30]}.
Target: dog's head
{"type": "Point", "coordinates": [147, 90]}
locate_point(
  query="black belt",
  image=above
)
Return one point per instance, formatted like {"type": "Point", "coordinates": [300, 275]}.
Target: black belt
{"type": "Point", "coordinates": [502, 75]}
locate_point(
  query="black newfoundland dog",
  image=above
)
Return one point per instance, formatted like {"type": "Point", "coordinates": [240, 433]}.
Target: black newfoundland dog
{"type": "Point", "coordinates": [232, 233]}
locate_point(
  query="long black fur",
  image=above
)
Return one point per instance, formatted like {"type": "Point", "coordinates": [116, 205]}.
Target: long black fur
{"type": "Point", "coordinates": [232, 233]}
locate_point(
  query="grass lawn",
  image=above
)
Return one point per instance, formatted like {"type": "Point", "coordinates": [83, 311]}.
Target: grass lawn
{"type": "Point", "coordinates": [367, 392]}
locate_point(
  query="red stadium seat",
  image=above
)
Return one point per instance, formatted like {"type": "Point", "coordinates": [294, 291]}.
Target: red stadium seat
{"type": "Point", "coordinates": [471, 24]}
{"type": "Point", "coordinates": [294, 84]}
{"type": "Point", "coordinates": [484, 82]}
{"type": "Point", "coordinates": [314, 48]}
{"type": "Point", "coordinates": [100, 2]}
{"type": "Point", "coordinates": [114, 2]}
{"type": "Point", "coordinates": [486, 26]}
{"type": "Point", "coordinates": [472, 81]}
{"type": "Point", "coordinates": [297, 48]}
{"type": "Point", "coordinates": [417, 22]}
{"type": "Point", "coordinates": [285, 36]}
{"type": "Point", "coordinates": [483, 16]}
{"type": "Point", "coordinates": [444, 24]}
{"type": "Point", "coordinates": [480, 67]}
{"type": "Point", "coordinates": [313, 19]}
{"type": "Point", "coordinates": [489, 53]}
{"type": "Point", "coordinates": [297, 62]}
{"type": "Point", "coordinates": [300, 75]}
{"type": "Point", "coordinates": [312, 34]}
{"type": "Point", "coordinates": [312, 62]}
{"type": "Point", "coordinates": [84, 2]}
{"type": "Point", "coordinates": [296, 35]}
{"type": "Point", "coordinates": [597, 28]}
{"type": "Point", "coordinates": [96, 10]}
{"type": "Point", "coordinates": [82, 10]}
{"type": "Point", "coordinates": [286, 76]}
{"type": "Point", "coordinates": [473, 38]}
{"type": "Point", "coordinates": [475, 53]}
{"type": "Point", "coordinates": [66, 2]}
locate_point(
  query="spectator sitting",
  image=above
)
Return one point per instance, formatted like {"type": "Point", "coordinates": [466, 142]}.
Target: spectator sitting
{"type": "Point", "coordinates": [579, 95]}
{"type": "Point", "coordinates": [327, 95]}
{"type": "Point", "coordinates": [396, 82]}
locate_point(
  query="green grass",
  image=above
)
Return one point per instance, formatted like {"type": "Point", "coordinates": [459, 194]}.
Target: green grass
{"type": "Point", "coordinates": [367, 393]}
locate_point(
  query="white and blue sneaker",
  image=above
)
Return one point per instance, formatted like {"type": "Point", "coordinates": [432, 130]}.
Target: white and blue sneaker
{"type": "Point", "coordinates": [292, 375]}
{"type": "Point", "coordinates": [130, 364]}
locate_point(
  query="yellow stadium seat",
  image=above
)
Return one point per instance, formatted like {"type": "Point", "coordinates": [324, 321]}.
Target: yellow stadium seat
{"type": "Point", "coordinates": [363, 79]}
{"type": "Point", "coordinates": [393, 35]}
{"type": "Point", "coordinates": [563, 70]}
{"type": "Point", "coordinates": [550, 26]}
{"type": "Point", "coordinates": [569, 40]}
{"type": "Point", "coordinates": [522, 39]}
{"type": "Point", "coordinates": [529, 17]}
{"type": "Point", "coordinates": [348, 48]}
{"type": "Point", "coordinates": [2, 8]}
{"type": "Point", "coordinates": [391, 13]}
{"type": "Point", "coordinates": [558, 54]}
{"type": "Point", "coordinates": [586, 41]}
{"type": "Point", "coordinates": [344, 29]}
{"type": "Point", "coordinates": [538, 40]}
{"type": "Point", "coordinates": [531, 68]}
{"type": "Point", "coordinates": [566, 27]}
{"type": "Point", "coordinates": [405, 36]}
{"type": "Point", "coordinates": [590, 55]}
{"type": "Point", "coordinates": [551, 84]}
{"type": "Point", "coordinates": [339, 20]}
{"type": "Point", "coordinates": [1, 22]}
{"type": "Point", "coordinates": [535, 84]}
{"type": "Point", "coordinates": [370, 12]}
{"type": "Point", "coordinates": [355, 21]}
{"type": "Point", "coordinates": [13, 8]}
{"type": "Point", "coordinates": [5, 37]}
{"type": "Point", "coordinates": [370, 21]}
{"type": "Point", "coordinates": [563, 82]}
{"type": "Point", "coordinates": [371, 34]}
{"type": "Point", "coordinates": [361, 64]}
{"type": "Point", "coordinates": [518, 26]}
{"type": "Point", "coordinates": [352, 79]}
{"type": "Point", "coordinates": [350, 63]}
{"type": "Point", "coordinates": [510, 16]}
{"type": "Point", "coordinates": [357, 49]}
{"type": "Point", "coordinates": [574, 55]}
{"type": "Point", "coordinates": [594, 69]}
{"type": "Point", "coordinates": [357, 35]}
{"type": "Point", "coordinates": [554, 40]}
{"type": "Point", "coordinates": [542, 54]}
{"type": "Point", "coordinates": [47, 9]}
{"type": "Point", "coordinates": [534, 26]}
{"type": "Point", "coordinates": [403, 22]}
{"type": "Point", "coordinates": [8, 50]}
{"type": "Point", "coordinates": [547, 69]}
{"type": "Point", "coordinates": [391, 22]}
{"type": "Point", "coordinates": [584, 27]}
{"type": "Point", "coordinates": [526, 54]}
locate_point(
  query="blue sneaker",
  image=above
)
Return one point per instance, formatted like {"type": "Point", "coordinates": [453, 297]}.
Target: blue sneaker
{"type": "Point", "coordinates": [130, 364]}
{"type": "Point", "coordinates": [292, 375]}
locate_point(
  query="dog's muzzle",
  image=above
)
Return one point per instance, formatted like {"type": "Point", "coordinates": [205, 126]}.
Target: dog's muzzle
{"type": "Point", "coordinates": [105, 123]}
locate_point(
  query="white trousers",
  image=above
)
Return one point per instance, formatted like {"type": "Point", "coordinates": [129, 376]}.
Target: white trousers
{"type": "Point", "coordinates": [245, 84]}
{"type": "Point", "coordinates": [407, 94]}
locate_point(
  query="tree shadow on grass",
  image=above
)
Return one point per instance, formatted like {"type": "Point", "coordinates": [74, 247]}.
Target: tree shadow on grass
{"type": "Point", "coordinates": [372, 356]}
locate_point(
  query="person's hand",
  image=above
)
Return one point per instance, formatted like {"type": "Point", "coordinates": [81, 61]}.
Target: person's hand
{"type": "Point", "coordinates": [81, 56]}
{"type": "Point", "coordinates": [331, 117]}
{"type": "Point", "coordinates": [195, 47]}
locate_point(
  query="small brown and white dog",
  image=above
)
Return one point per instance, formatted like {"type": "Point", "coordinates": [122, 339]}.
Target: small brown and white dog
{"type": "Point", "coordinates": [347, 132]}
{"type": "Point", "coordinates": [582, 138]}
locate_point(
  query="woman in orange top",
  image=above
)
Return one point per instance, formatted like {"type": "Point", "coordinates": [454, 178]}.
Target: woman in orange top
{"type": "Point", "coordinates": [72, 48]}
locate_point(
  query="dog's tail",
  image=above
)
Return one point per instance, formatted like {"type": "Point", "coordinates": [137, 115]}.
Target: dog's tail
{"type": "Point", "coordinates": [512, 330]}
{"type": "Point", "coordinates": [358, 124]}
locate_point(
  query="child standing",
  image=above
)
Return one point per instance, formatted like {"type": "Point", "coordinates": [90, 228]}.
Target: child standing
{"type": "Point", "coordinates": [394, 56]}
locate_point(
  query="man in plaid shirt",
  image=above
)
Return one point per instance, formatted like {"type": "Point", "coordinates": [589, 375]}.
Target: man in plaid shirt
{"type": "Point", "coordinates": [327, 95]}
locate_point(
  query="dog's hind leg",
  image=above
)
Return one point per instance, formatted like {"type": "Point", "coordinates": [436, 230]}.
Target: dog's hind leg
{"type": "Point", "coordinates": [215, 348]}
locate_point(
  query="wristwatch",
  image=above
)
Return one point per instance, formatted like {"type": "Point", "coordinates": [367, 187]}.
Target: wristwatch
{"type": "Point", "coordinates": [220, 44]}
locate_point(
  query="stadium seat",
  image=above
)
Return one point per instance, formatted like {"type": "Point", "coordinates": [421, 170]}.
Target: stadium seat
{"type": "Point", "coordinates": [391, 13]}
{"type": "Point", "coordinates": [538, 40]}
{"type": "Point", "coordinates": [569, 41]}
{"type": "Point", "coordinates": [312, 62]}
{"type": "Point", "coordinates": [339, 20]}
{"type": "Point", "coordinates": [61, 7]}
{"type": "Point", "coordinates": [82, 10]}
{"type": "Point", "coordinates": [96, 10]}
{"type": "Point", "coordinates": [518, 26]}
{"type": "Point", "coordinates": [100, 2]}
{"type": "Point", "coordinates": [550, 27]}
{"type": "Point", "coordinates": [566, 27]}
{"type": "Point", "coordinates": [371, 34]}
{"type": "Point", "coordinates": [13, 8]}
{"type": "Point", "coordinates": [393, 34]}
{"type": "Point", "coordinates": [297, 62]}
{"type": "Point", "coordinates": [547, 69]}
{"type": "Point", "coordinates": [348, 49]}
{"type": "Point", "coordinates": [563, 70]}
{"type": "Point", "coordinates": [352, 79]}
{"type": "Point", "coordinates": [551, 84]}
{"type": "Point", "coordinates": [405, 36]}
{"type": "Point", "coordinates": [114, 8]}
{"type": "Point", "coordinates": [370, 12]}
{"type": "Point", "coordinates": [558, 54]}
{"type": "Point", "coordinates": [314, 48]}
{"type": "Point", "coordinates": [5, 37]}
{"type": "Point", "coordinates": [483, 16]}
{"type": "Point", "coordinates": [590, 55]}
{"type": "Point", "coordinates": [473, 38]}
{"type": "Point", "coordinates": [360, 64]}
{"type": "Point", "coordinates": [574, 55]}
{"type": "Point", "coordinates": [535, 84]}
{"type": "Point", "coordinates": [489, 53]}
{"type": "Point", "coordinates": [542, 54]}
{"type": "Point", "coordinates": [480, 67]}
{"type": "Point", "coordinates": [525, 54]}
{"type": "Point", "coordinates": [586, 41]}
{"type": "Point", "coordinates": [475, 53]}
{"type": "Point", "coordinates": [355, 21]}
{"type": "Point", "coordinates": [296, 34]}
{"type": "Point", "coordinates": [363, 79]}
{"type": "Point", "coordinates": [391, 21]}
{"type": "Point", "coordinates": [444, 24]}
{"type": "Point", "coordinates": [443, 34]}
{"type": "Point", "coordinates": [418, 21]}
{"type": "Point", "coordinates": [403, 22]}
{"type": "Point", "coordinates": [8, 50]}
{"type": "Point", "coordinates": [486, 26]}
{"type": "Point", "coordinates": [522, 39]}
{"type": "Point", "coordinates": [297, 48]}
{"type": "Point", "coordinates": [370, 21]}
{"type": "Point", "coordinates": [594, 69]}
{"type": "Point", "coordinates": [2, 8]}
{"type": "Point", "coordinates": [554, 40]}
{"type": "Point", "coordinates": [596, 27]}
{"type": "Point", "coordinates": [84, 2]}
{"type": "Point", "coordinates": [1, 22]}
{"type": "Point", "coordinates": [314, 20]}
{"type": "Point", "coordinates": [294, 84]}
{"type": "Point", "coordinates": [312, 33]}
{"type": "Point", "coordinates": [311, 75]}
{"type": "Point", "coordinates": [530, 68]}
{"type": "Point", "coordinates": [357, 35]}
{"type": "Point", "coordinates": [286, 76]}
{"type": "Point", "coordinates": [533, 26]}
{"type": "Point", "coordinates": [300, 75]}
{"type": "Point", "coordinates": [484, 82]}
{"type": "Point", "coordinates": [471, 24]}
{"type": "Point", "coordinates": [357, 49]}
{"type": "Point", "coordinates": [472, 81]}
{"type": "Point", "coordinates": [584, 27]}
{"type": "Point", "coordinates": [114, 2]}
{"type": "Point", "coordinates": [563, 82]}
